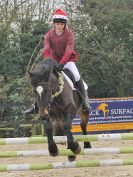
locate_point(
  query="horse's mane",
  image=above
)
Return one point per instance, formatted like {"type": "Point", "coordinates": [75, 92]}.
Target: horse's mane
{"type": "Point", "coordinates": [49, 61]}
{"type": "Point", "coordinates": [42, 71]}
{"type": "Point", "coordinates": [44, 66]}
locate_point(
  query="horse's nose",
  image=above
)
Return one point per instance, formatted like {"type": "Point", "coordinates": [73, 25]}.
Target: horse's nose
{"type": "Point", "coordinates": [43, 113]}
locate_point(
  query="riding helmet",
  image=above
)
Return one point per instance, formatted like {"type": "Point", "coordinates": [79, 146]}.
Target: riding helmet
{"type": "Point", "coordinates": [60, 16]}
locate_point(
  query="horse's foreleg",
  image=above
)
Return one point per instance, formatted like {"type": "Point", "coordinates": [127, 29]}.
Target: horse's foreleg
{"type": "Point", "coordinates": [52, 147]}
{"type": "Point", "coordinates": [57, 125]}
{"type": "Point", "coordinates": [84, 121]}
{"type": "Point", "coordinates": [70, 113]}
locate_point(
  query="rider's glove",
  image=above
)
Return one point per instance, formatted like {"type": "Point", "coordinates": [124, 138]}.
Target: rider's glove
{"type": "Point", "coordinates": [59, 67]}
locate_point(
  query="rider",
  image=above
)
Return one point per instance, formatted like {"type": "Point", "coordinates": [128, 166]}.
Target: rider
{"type": "Point", "coordinates": [59, 45]}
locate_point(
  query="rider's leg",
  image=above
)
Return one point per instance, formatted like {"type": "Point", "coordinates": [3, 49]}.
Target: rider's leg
{"type": "Point", "coordinates": [32, 110]}
{"type": "Point", "coordinates": [86, 103]}
{"type": "Point", "coordinates": [80, 85]}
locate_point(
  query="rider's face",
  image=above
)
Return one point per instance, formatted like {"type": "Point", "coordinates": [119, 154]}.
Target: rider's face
{"type": "Point", "coordinates": [59, 27]}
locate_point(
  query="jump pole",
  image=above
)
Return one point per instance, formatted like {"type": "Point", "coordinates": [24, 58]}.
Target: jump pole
{"type": "Point", "coordinates": [66, 152]}
{"type": "Point", "coordinates": [59, 165]}
{"type": "Point", "coordinates": [63, 139]}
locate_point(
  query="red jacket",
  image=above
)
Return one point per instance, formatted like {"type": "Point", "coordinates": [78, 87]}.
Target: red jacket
{"type": "Point", "coordinates": [59, 47]}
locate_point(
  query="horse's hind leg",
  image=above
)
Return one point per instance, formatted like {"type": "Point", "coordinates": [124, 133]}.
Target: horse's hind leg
{"type": "Point", "coordinates": [74, 146]}
{"type": "Point", "coordinates": [52, 147]}
{"type": "Point", "coordinates": [84, 121]}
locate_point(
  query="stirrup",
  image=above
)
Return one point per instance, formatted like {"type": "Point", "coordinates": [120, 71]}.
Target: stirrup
{"type": "Point", "coordinates": [31, 110]}
{"type": "Point", "coordinates": [86, 106]}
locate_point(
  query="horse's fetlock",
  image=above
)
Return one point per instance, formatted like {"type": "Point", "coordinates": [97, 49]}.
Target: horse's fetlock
{"type": "Point", "coordinates": [70, 145]}
{"type": "Point", "coordinates": [74, 146]}
{"type": "Point", "coordinates": [83, 125]}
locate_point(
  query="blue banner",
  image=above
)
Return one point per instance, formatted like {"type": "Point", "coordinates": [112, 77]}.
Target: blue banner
{"type": "Point", "coordinates": [109, 114]}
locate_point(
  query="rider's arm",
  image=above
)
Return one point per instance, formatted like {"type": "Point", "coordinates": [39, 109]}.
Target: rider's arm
{"type": "Point", "coordinates": [69, 48]}
{"type": "Point", "coordinates": [46, 49]}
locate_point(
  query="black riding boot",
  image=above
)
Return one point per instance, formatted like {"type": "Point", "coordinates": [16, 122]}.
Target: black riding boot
{"type": "Point", "coordinates": [86, 103]}
{"type": "Point", "coordinates": [32, 110]}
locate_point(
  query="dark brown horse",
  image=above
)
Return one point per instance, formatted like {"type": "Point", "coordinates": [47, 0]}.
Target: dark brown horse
{"type": "Point", "coordinates": [58, 104]}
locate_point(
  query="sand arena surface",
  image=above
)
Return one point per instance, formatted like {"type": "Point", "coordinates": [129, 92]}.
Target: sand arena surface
{"type": "Point", "coordinates": [108, 171]}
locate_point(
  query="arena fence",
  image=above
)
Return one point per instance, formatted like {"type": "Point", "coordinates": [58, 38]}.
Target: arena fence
{"type": "Point", "coordinates": [75, 164]}
{"type": "Point", "coordinates": [66, 152]}
{"type": "Point", "coordinates": [63, 139]}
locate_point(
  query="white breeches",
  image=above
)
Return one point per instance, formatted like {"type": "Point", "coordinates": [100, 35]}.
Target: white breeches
{"type": "Point", "coordinates": [73, 69]}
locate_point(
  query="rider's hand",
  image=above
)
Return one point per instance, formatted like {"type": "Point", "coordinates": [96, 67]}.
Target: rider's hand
{"type": "Point", "coordinates": [59, 67]}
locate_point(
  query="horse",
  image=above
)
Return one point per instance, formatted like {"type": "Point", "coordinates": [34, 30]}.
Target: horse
{"type": "Point", "coordinates": [58, 104]}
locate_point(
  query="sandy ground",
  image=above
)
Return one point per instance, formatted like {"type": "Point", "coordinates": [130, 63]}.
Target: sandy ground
{"type": "Point", "coordinates": [110, 171]}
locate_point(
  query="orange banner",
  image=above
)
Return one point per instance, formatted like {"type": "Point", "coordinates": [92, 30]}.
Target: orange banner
{"type": "Point", "coordinates": [105, 127]}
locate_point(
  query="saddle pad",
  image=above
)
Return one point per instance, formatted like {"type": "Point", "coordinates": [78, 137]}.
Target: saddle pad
{"type": "Point", "coordinates": [71, 83]}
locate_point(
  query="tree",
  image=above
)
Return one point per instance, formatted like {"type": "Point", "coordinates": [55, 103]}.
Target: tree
{"type": "Point", "coordinates": [105, 29]}
{"type": "Point", "coordinates": [103, 40]}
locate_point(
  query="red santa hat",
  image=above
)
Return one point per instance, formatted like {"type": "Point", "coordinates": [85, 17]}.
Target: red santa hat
{"type": "Point", "coordinates": [60, 16]}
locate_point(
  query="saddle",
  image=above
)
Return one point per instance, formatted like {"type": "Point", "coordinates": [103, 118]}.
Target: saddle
{"type": "Point", "coordinates": [71, 80]}
{"type": "Point", "coordinates": [71, 77]}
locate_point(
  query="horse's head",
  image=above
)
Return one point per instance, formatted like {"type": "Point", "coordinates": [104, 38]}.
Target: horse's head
{"type": "Point", "coordinates": [44, 83]}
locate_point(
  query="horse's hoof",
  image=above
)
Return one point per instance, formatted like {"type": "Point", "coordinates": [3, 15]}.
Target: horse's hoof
{"type": "Point", "coordinates": [87, 145]}
{"type": "Point", "coordinates": [72, 158]}
{"type": "Point", "coordinates": [54, 154]}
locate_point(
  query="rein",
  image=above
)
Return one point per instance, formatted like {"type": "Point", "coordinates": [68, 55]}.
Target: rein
{"type": "Point", "coordinates": [61, 86]}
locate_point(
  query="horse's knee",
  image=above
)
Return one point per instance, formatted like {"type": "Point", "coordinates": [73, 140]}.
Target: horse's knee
{"type": "Point", "coordinates": [58, 129]}
{"type": "Point", "coordinates": [69, 114]}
